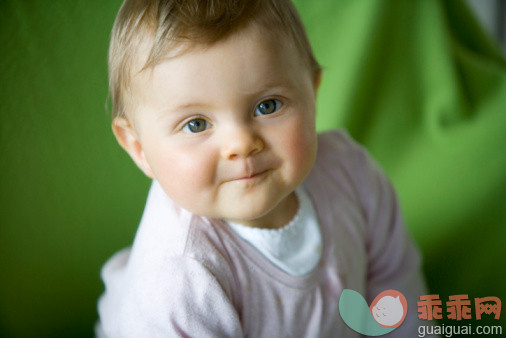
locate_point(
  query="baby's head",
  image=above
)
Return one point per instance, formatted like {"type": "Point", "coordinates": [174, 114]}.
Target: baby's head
{"type": "Point", "coordinates": [216, 101]}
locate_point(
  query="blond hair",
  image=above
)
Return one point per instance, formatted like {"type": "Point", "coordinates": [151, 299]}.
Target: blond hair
{"type": "Point", "coordinates": [167, 24]}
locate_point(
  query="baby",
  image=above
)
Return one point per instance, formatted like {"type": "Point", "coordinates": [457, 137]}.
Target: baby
{"type": "Point", "coordinates": [254, 224]}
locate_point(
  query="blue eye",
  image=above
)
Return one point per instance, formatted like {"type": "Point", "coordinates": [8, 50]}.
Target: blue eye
{"type": "Point", "coordinates": [196, 126]}
{"type": "Point", "coordinates": [267, 107]}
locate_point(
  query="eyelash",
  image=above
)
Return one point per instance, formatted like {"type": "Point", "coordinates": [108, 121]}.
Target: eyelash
{"type": "Point", "coordinates": [188, 125]}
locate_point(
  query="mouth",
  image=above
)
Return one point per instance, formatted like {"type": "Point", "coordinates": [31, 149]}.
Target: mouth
{"type": "Point", "coordinates": [252, 177]}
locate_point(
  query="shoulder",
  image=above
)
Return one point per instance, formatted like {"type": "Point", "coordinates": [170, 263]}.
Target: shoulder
{"type": "Point", "coordinates": [179, 295]}
{"type": "Point", "coordinates": [167, 231]}
{"type": "Point", "coordinates": [337, 139]}
{"type": "Point", "coordinates": [171, 235]}
{"type": "Point", "coordinates": [343, 165]}
{"type": "Point", "coordinates": [176, 259]}
{"type": "Point", "coordinates": [337, 147]}
{"type": "Point", "coordinates": [342, 160]}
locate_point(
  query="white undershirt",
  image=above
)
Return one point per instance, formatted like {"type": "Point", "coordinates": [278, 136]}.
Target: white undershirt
{"type": "Point", "coordinates": [296, 247]}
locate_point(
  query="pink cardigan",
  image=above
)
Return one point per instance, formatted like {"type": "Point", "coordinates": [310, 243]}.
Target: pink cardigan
{"type": "Point", "coordinates": [186, 275]}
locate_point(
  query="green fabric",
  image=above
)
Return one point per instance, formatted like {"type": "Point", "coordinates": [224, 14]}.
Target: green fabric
{"type": "Point", "coordinates": [417, 82]}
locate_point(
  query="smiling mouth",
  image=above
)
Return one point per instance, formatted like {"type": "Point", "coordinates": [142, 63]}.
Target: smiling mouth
{"type": "Point", "coordinates": [251, 177]}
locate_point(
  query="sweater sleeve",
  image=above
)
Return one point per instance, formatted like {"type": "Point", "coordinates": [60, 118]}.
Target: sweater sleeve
{"type": "Point", "coordinates": [394, 260]}
{"type": "Point", "coordinates": [184, 300]}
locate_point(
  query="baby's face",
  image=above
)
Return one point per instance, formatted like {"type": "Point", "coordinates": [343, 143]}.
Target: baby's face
{"type": "Point", "coordinates": [228, 131]}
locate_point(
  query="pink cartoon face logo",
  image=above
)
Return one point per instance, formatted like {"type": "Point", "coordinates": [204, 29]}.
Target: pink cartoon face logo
{"type": "Point", "coordinates": [389, 308]}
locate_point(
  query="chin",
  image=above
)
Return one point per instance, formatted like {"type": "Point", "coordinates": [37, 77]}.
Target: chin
{"type": "Point", "coordinates": [247, 212]}
{"type": "Point", "coordinates": [247, 216]}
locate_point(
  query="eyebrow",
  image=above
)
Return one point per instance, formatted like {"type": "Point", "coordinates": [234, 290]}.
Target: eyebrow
{"type": "Point", "coordinates": [189, 105]}
{"type": "Point", "coordinates": [271, 87]}
{"type": "Point", "coordinates": [168, 112]}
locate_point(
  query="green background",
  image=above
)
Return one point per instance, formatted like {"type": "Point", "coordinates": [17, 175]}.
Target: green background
{"type": "Point", "coordinates": [417, 82]}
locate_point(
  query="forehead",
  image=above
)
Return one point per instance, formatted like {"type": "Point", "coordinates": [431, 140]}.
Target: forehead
{"type": "Point", "coordinates": [246, 60]}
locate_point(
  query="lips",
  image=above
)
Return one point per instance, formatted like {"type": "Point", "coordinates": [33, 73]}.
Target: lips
{"type": "Point", "coordinates": [250, 170]}
{"type": "Point", "coordinates": [252, 176]}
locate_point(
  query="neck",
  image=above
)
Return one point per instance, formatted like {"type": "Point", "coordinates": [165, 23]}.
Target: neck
{"type": "Point", "coordinates": [278, 217]}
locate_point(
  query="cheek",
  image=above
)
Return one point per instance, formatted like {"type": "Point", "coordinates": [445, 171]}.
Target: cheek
{"type": "Point", "coordinates": [184, 174]}
{"type": "Point", "coordinates": [299, 143]}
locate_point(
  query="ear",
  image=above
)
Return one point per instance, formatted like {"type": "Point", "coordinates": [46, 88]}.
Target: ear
{"type": "Point", "coordinates": [317, 80]}
{"type": "Point", "coordinates": [128, 139]}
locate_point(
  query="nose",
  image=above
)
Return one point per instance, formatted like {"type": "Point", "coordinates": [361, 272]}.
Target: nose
{"type": "Point", "coordinates": [241, 142]}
